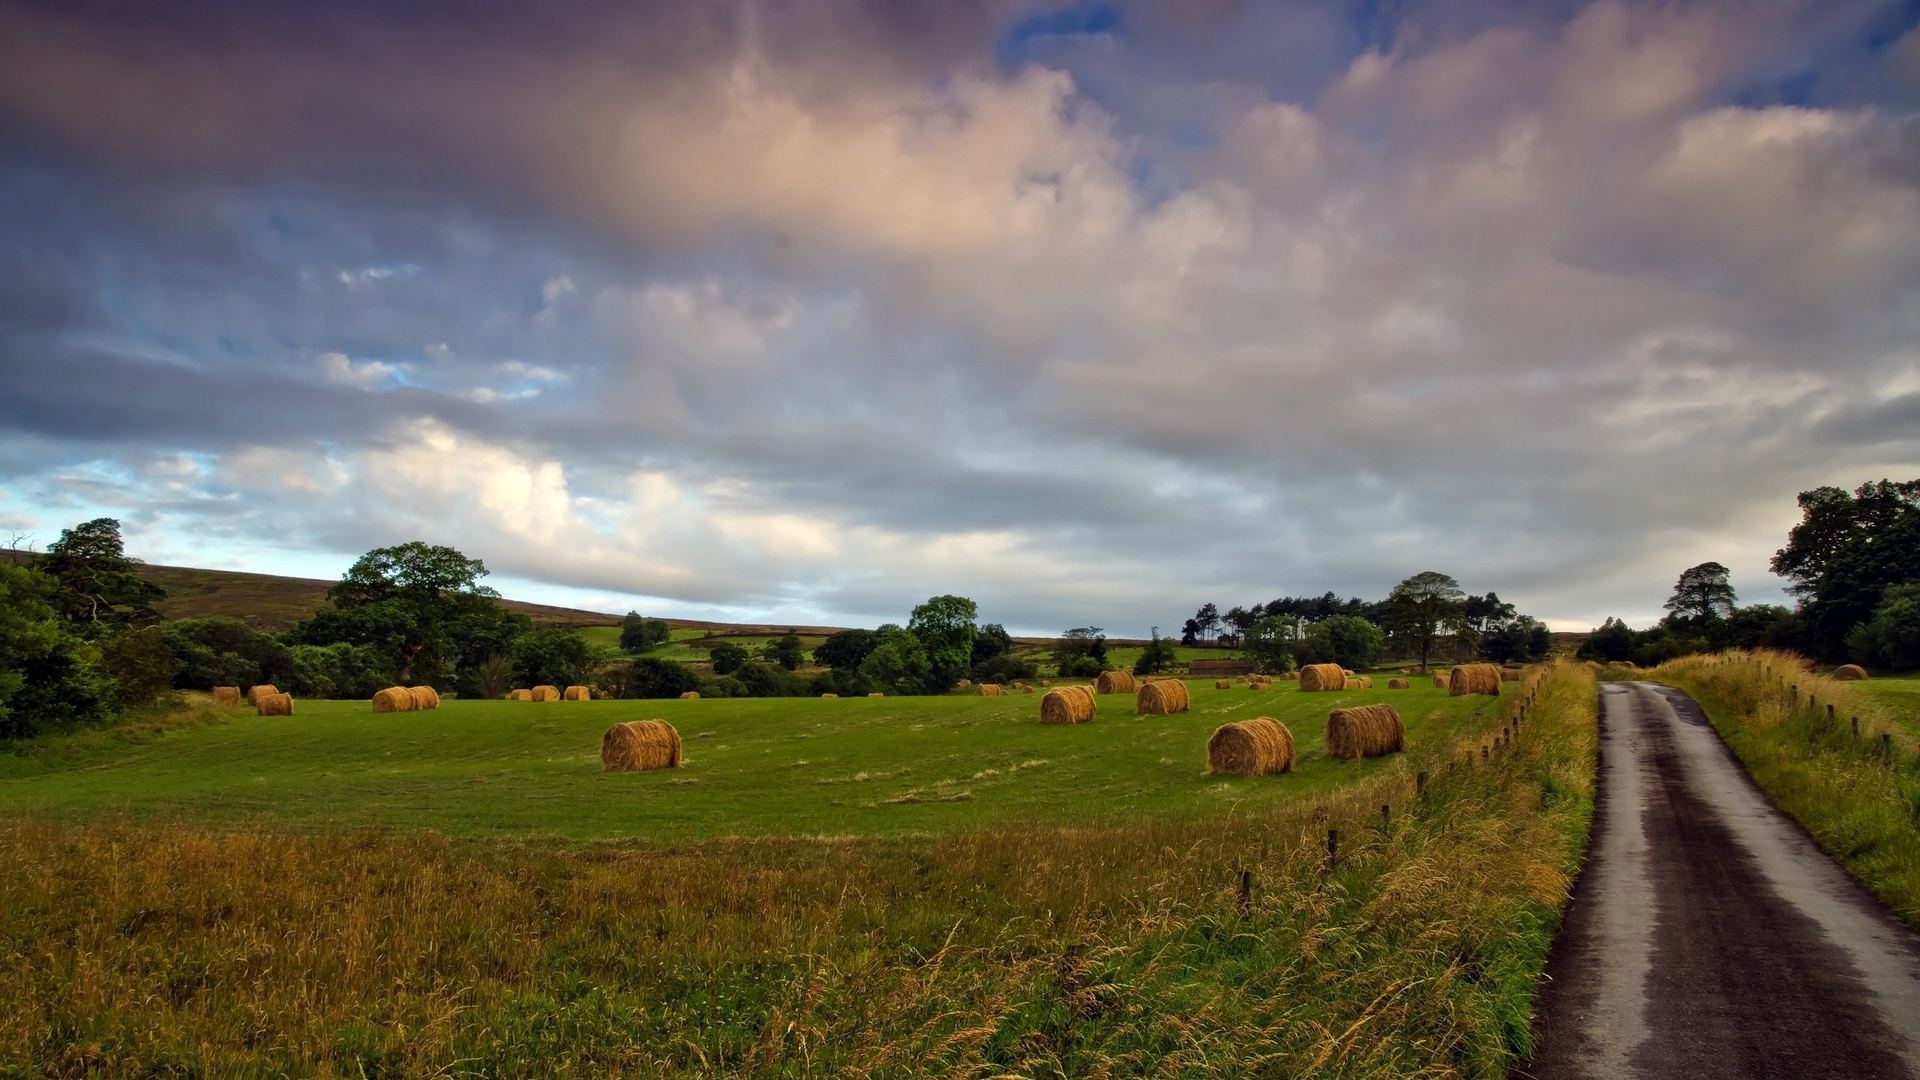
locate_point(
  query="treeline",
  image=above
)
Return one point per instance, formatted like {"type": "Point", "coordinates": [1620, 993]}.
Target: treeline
{"type": "Point", "coordinates": [80, 640]}
{"type": "Point", "coordinates": [1853, 567]}
{"type": "Point", "coordinates": [1427, 616]}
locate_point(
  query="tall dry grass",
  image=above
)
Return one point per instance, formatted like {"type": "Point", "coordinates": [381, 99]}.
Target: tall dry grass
{"type": "Point", "coordinates": [1112, 950]}
{"type": "Point", "coordinates": [1860, 798]}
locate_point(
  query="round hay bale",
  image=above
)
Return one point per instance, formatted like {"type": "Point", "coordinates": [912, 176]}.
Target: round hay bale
{"type": "Point", "coordinates": [876, 694]}
{"type": "Point", "coordinates": [988, 689]}
{"type": "Point", "coordinates": [1850, 672]}
{"type": "Point", "coordinates": [1046, 682]}
{"type": "Point", "coordinates": [255, 693]}
{"type": "Point", "coordinates": [1624, 665]}
{"type": "Point", "coordinates": [1348, 672]}
{"type": "Point", "coordinates": [226, 695]}
{"type": "Point", "coordinates": [1358, 682]}
{"type": "Point", "coordinates": [546, 693]}
{"type": "Point", "coordinates": [424, 697]}
{"type": "Point", "coordinates": [1364, 731]}
{"type": "Point", "coordinates": [690, 695]}
{"type": "Point", "coordinates": [1508, 674]}
{"type": "Point", "coordinates": [1397, 684]}
{"type": "Point", "coordinates": [1322, 677]}
{"type": "Point", "coordinates": [394, 699]}
{"type": "Point", "coordinates": [1442, 681]}
{"type": "Point", "coordinates": [1115, 682]}
{"type": "Point", "coordinates": [829, 695]}
{"type": "Point", "coordinates": [1259, 682]}
{"type": "Point", "coordinates": [276, 705]}
{"type": "Point", "coordinates": [1223, 684]}
{"type": "Point", "coordinates": [1474, 679]}
{"type": "Point", "coordinates": [1261, 746]}
{"type": "Point", "coordinates": [638, 745]}
{"type": "Point", "coordinates": [1291, 676]}
{"type": "Point", "coordinates": [520, 695]}
{"type": "Point", "coordinates": [578, 693]}
{"type": "Point", "coordinates": [1161, 697]}
{"type": "Point", "coordinates": [1067, 705]}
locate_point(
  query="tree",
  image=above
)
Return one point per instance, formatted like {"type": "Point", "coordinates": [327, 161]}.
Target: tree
{"type": "Point", "coordinates": [845, 650]}
{"type": "Point", "coordinates": [1205, 621]}
{"type": "Point", "coordinates": [1847, 551]}
{"type": "Point", "coordinates": [341, 670]}
{"type": "Point", "coordinates": [1760, 626]}
{"type": "Point", "coordinates": [403, 599]}
{"type": "Point", "coordinates": [1419, 607]}
{"type": "Point", "coordinates": [1347, 640]}
{"type": "Point", "coordinates": [638, 634]}
{"type": "Point", "coordinates": [762, 680]}
{"type": "Point", "coordinates": [1269, 643]}
{"type": "Point", "coordinates": [898, 662]}
{"type": "Point", "coordinates": [1702, 596]}
{"type": "Point", "coordinates": [223, 651]}
{"type": "Point", "coordinates": [653, 677]}
{"type": "Point", "coordinates": [551, 656]}
{"type": "Point", "coordinates": [46, 679]}
{"type": "Point", "coordinates": [1611, 640]}
{"type": "Point", "coordinates": [1523, 639]}
{"type": "Point", "coordinates": [992, 640]}
{"type": "Point", "coordinates": [1158, 656]}
{"type": "Point", "coordinates": [94, 586]}
{"type": "Point", "coordinates": [1892, 637]}
{"type": "Point", "coordinates": [785, 651]}
{"type": "Point", "coordinates": [141, 668]}
{"type": "Point", "coordinates": [1081, 651]}
{"type": "Point", "coordinates": [945, 627]}
{"type": "Point", "coordinates": [727, 657]}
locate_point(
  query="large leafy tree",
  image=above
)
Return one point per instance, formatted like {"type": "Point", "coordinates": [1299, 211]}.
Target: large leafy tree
{"type": "Point", "coordinates": [1847, 551]}
{"type": "Point", "coordinates": [638, 633]}
{"type": "Point", "coordinates": [408, 599]}
{"type": "Point", "coordinates": [1347, 640]}
{"type": "Point", "coordinates": [46, 681]}
{"type": "Point", "coordinates": [95, 587]}
{"type": "Point", "coordinates": [897, 662]}
{"type": "Point", "coordinates": [1081, 651]}
{"type": "Point", "coordinates": [1702, 596]}
{"type": "Point", "coordinates": [1269, 643]}
{"type": "Point", "coordinates": [1419, 608]}
{"type": "Point", "coordinates": [945, 627]}
{"type": "Point", "coordinates": [784, 650]}
{"type": "Point", "coordinates": [846, 650]}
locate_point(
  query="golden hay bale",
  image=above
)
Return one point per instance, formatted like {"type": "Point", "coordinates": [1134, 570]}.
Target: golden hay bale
{"type": "Point", "coordinates": [255, 693]}
{"type": "Point", "coordinates": [1067, 705]}
{"type": "Point", "coordinates": [690, 695]}
{"type": "Point", "coordinates": [1258, 747]}
{"type": "Point", "coordinates": [394, 699]}
{"type": "Point", "coordinates": [1323, 677]}
{"type": "Point", "coordinates": [1348, 672]}
{"type": "Point", "coordinates": [1850, 672]}
{"type": "Point", "coordinates": [1223, 684]}
{"type": "Point", "coordinates": [578, 693]}
{"type": "Point", "coordinates": [226, 695]}
{"type": "Point", "coordinates": [424, 697]}
{"type": "Point", "coordinates": [988, 689]}
{"type": "Point", "coordinates": [276, 705]}
{"type": "Point", "coordinates": [1115, 682]}
{"type": "Point", "coordinates": [876, 694]}
{"type": "Point", "coordinates": [520, 695]}
{"type": "Point", "coordinates": [1291, 676]}
{"type": "Point", "coordinates": [1259, 682]}
{"type": "Point", "coordinates": [1474, 679]}
{"type": "Point", "coordinates": [1364, 731]}
{"type": "Point", "coordinates": [832, 695]}
{"type": "Point", "coordinates": [546, 693]}
{"type": "Point", "coordinates": [1508, 674]}
{"type": "Point", "coordinates": [1626, 665]}
{"type": "Point", "coordinates": [639, 745]}
{"type": "Point", "coordinates": [1046, 682]}
{"type": "Point", "coordinates": [1358, 682]}
{"type": "Point", "coordinates": [1161, 697]}
{"type": "Point", "coordinates": [1442, 681]}
{"type": "Point", "coordinates": [1397, 684]}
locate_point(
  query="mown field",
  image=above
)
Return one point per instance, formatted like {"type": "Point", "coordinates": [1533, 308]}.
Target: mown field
{"type": "Point", "coordinates": [1899, 697]}
{"type": "Point", "coordinates": [1092, 924]}
{"type": "Point", "coordinates": [773, 766]}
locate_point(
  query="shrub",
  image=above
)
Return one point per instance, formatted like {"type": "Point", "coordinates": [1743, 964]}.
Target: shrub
{"type": "Point", "coordinates": [339, 670]}
{"type": "Point", "coordinates": [1004, 668]}
{"type": "Point", "coordinates": [1082, 666]}
{"type": "Point", "coordinates": [223, 651]}
{"type": "Point", "coordinates": [725, 686]}
{"type": "Point", "coordinates": [727, 658]}
{"type": "Point", "coordinates": [552, 657]}
{"type": "Point", "coordinates": [141, 666]}
{"type": "Point", "coordinates": [765, 680]}
{"type": "Point", "coordinates": [652, 677]}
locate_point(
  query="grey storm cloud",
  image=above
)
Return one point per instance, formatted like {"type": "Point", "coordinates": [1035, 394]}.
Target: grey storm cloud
{"type": "Point", "coordinates": [807, 311]}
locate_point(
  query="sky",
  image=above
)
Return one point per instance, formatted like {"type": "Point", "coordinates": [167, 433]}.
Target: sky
{"type": "Point", "coordinates": [805, 311]}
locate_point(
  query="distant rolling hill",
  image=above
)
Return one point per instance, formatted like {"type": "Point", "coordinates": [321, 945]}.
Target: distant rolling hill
{"type": "Point", "coordinates": [273, 603]}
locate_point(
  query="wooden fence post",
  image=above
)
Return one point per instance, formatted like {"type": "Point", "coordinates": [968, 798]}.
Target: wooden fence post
{"type": "Point", "coordinates": [1333, 847]}
{"type": "Point", "coordinates": [1246, 893]}
{"type": "Point", "coordinates": [1420, 785]}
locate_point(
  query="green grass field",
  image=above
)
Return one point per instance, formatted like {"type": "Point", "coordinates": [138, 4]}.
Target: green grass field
{"type": "Point", "coordinates": [1900, 695]}
{"type": "Point", "coordinates": [780, 765]}
{"type": "Point", "coordinates": [752, 766]}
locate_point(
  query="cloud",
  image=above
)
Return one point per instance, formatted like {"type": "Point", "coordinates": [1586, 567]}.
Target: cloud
{"type": "Point", "coordinates": [821, 309]}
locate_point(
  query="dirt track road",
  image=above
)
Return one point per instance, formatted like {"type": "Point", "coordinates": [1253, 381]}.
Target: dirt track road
{"type": "Point", "coordinates": [1708, 935]}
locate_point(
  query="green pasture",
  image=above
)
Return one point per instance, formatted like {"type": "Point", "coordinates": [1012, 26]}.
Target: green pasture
{"type": "Point", "coordinates": [752, 766]}
{"type": "Point", "coordinates": [1901, 696]}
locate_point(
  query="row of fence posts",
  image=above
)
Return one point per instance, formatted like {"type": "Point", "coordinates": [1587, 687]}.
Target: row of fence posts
{"type": "Point", "coordinates": [1792, 692]}
{"type": "Point", "coordinates": [1501, 741]}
